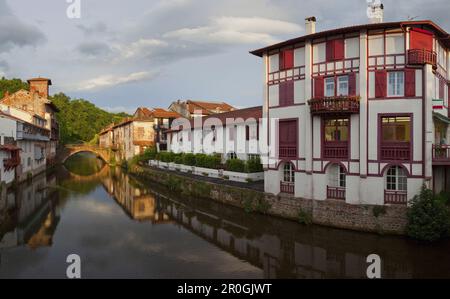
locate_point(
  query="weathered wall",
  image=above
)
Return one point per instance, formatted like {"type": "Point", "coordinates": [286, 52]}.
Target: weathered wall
{"type": "Point", "coordinates": [388, 219]}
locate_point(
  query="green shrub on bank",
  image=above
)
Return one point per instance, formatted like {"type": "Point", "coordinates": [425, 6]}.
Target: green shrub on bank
{"type": "Point", "coordinates": [254, 165]}
{"type": "Point", "coordinates": [428, 217]}
{"type": "Point", "coordinates": [150, 154]}
{"type": "Point", "coordinates": [178, 158]}
{"type": "Point", "coordinates": [235, 165]}
{"type": "Point", "coordinates": [208, 161]}
{"type": "Point", "coordinates": [189, 159]}
{"type": "Point", "coordinates": [166, 157]}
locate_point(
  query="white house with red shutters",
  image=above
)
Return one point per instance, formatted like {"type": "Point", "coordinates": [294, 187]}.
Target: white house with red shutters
{"type": "Point", "coordinates": [362, 112]}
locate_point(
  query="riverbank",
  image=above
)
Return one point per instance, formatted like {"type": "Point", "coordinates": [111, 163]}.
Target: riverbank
{"type": "Point", "coordinates": [332, 213]}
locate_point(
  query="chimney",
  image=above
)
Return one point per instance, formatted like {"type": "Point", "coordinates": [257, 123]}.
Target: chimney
{"type": "Point", "coordinates": [40, 85]}
{"type": "Point", "coordinates": [310, 25]}
{"type": "Point", "coordinates": [375, 11]}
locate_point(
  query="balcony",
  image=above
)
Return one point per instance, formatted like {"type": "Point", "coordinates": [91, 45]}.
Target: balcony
{"type": "Point", "coordinates": [335, 150]}
{"type": "Point", "coordinates": [441, 154]}
{"type": "Point", "coordinates": [335, 193]}
{"type": "Point", "coordinates": [340, 105]}
{"type": "Point", "coordinates": [421, 57]}
{"type": "Point", "coordinates": [288, 151]}
{"type": "Point", "coordinates": [287, 187]}
{"type": "Point", "coordinates": [395, 197]}
{"type": "Point", "coordinates": [395, 151]}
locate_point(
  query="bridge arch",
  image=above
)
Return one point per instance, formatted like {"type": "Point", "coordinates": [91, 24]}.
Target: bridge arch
{"type": "Point", "coordinates": [71, 150]}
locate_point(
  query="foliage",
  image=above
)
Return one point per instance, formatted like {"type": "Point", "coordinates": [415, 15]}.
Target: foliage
{"type": "Point", "coordinates": [428, 217]}
{"type": "Point", "coordinates": [166, 157]}
{"type": "Point", "coordinates": [207, 161]}
{"type": "Point", "coordinates": [12, 86]}
{"type": "Point", "coordinates": [304, 217]}
{"type": "Point", "coordinates": [236, 165]}
{"type": "Point", "coordinates": [189, 159]}
{"type": "Point", "coordinates": [178, 159]}
{"type": "Point", "coordinates": [149, 154]}
{"type": "Point", "coordinates": [378, 211]}
{"type": "Point", "coordinates": [80, 120]}
{"type": "Point", "coordinates": [254, 165]}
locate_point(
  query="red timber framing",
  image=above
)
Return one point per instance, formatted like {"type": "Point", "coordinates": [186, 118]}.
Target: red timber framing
{"type": "Point", "coordinates": [288, 139]}
{"type": "Point", "coordinates": [287, 68]}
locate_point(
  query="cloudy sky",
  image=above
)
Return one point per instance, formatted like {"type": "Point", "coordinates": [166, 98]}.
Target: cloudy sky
{"type": "Point", "coordinates": [125, 54]}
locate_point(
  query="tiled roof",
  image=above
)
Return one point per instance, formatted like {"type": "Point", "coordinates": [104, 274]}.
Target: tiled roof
{"type": "Point", "coordinates": [163, 113]}
{"type": "Point", "coordinates": [444, 36]}
{"type": "Point", "coordinates": [207, 107]}
{"type": "Point", "coordinates": [40, 79]}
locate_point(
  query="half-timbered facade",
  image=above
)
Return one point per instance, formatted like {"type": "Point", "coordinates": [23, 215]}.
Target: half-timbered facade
{"type": "Point", "coordinates": [362, 112]}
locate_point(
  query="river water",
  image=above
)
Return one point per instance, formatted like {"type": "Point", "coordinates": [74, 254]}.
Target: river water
{"type": "Point", "coordinates": [124, 228]}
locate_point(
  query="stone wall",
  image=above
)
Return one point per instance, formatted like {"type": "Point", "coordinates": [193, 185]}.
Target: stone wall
{"type": "Point", "coordinates": [333, 213]}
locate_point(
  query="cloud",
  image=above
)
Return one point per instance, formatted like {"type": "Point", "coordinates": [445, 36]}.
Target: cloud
{"type": "Point", "coordinates": [111, 80]}
{"type": "Point", "coordinates": [14, 32]}
{"type": "Point", "coordinates": [94, 49]}
{"type": "Point", "coordinates": [118, 109]}
{"type": "Point", "coordinates": [98, 28]}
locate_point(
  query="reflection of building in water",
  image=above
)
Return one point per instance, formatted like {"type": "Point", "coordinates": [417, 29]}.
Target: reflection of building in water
{"type": "Point", "coordinates": [138, 203]}
{"type": "Point", "coordinates": [279, 253]}
{"type": "Point", "coordinates": [28, 216]}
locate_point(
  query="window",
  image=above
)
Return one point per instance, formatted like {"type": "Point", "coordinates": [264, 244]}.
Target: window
{"type": "Point", "coordinates": [288, 173]}
{"type": "Point", "coordinates": [231, 132]}
{"type": "Point", "coordinates": [396, 129]}
{"type": "Point", "coordinates": [336, 129]}
{"type": "Point", "coordinates": [286, 93]}
{"type": "Point", "coordinates": [342, 86]}
{"type": "Point", "coordinates": [329, 87]}
{"type": "Point", "coordinates": [396, 179]}
{"type": "Point", "coordinates": [254, 157]}
{"type": "Point", "coordinates": [335, 49]}
{"type": "Point", "coordinates": [336, 176]}
{"type": "Point", "coordinates": [286, 59]}
{"type": "Point", "coordinates": [396, 84]}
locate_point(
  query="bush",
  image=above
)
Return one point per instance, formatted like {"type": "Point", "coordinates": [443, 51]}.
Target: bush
{"type": "Point", "coordinates": [150, 154]}
{"type": "Point", "coordinates": [236, 165]}
{"type": "Point", "coordinates": [207, 161]}
{"type": "Point", "coordinates": [304, 217]}
{"type": "Point", "coordinates": [254, 165]}
{"type": "Point", "coordinates": [189, 159]}
{"type": "Point", "coordinates": [166, 157]}
{"type": "Point", "coordinates": [178, 159]}
{"type": "Point", "coordinates": [428, 217]}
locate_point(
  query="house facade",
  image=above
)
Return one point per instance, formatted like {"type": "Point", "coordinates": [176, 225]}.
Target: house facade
{"type": "Point", "coordinates": [190, 108]}
{"type": "Point", "coordinates": [362, 112]}
{"type": "Point", "coordinates": [134, 135]}
{"type": "Point", "coordinates": [232, 134]}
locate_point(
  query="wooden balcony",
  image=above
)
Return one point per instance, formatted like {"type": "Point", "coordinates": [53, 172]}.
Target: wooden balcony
{"type": "Point", "coordinates": [395, 197]}
{"type": "Point", "coordinates": [335, 150]}
{"type": "Point", "coordinates": [287, 151]}
{"type": "Point", "coordinates": [287, 187]}
{"type": "Point", "coordinates": [441, 154]}
{"type": "Point", "coordinates": [335, 193]}
{"type": "Point", "coordinates": [421, 57]}
{"type": "Point", "coordinates": [11, 163]}
{"type": "Point", "coordinates": [341, 105]}
{"type": "Point", "coordinates": [395, 151]}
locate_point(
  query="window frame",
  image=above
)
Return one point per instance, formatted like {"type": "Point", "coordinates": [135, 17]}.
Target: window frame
{"type": "Point", "coordinates": [399, 179]}
{"type": "Point", "coordinates": [398, 91]}
{"type": "Point", "coordinates": [288, 173]}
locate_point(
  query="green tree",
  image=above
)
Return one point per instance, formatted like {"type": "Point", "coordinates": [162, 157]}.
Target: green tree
{"type": "Point", "coordinates": [11, 85]}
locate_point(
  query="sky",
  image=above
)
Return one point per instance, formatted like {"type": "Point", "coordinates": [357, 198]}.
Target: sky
{"type": "Point", "coordinates": [121, 55]}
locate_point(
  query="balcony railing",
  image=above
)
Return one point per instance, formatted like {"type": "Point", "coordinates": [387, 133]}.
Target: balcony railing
{"type": "Point", "coordinates": [422, 56]}
{"type": "Point", "coordinates": [338, 150]}
{"type": "Point", "coordinates": [288, 151]}
{"type": "Point", "coordinates": [335, 105]}
{"type": "Point", "coordinates": [11, 163]}
{"type": "Point", "coordinates": [441, 153]}
{"type": "Point", "coordinates": [395, 151]}
{"type": "Point", "coordinates": [335, 193]}
{"type": "Point", "coordinates": [287, 187]}
{"type": "Point", "coordinates": [395, 197]}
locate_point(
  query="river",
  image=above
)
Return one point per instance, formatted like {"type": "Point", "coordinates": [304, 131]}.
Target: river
{"type": "Point", "coordinates": [125, 228]}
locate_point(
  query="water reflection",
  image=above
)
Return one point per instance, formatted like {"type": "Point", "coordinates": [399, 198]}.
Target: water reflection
{"type": "Point", "coordinates": [124, 228]}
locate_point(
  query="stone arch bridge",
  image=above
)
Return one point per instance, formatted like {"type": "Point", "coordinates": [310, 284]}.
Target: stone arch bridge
{"type": "Point", "coordinates": [72, 149]}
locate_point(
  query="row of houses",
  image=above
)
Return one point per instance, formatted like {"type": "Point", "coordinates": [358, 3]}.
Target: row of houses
{"type": "Point", "coordinates": [358, 114]}
{"type": "Point", "coordinates": [29, 132]}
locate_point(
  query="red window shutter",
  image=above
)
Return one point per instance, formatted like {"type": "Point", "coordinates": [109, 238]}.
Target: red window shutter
{"type": "Point", "coordinates": [420, 39]}
{"type": "Point", "coordinates": [289, 100]}
{"type": "Point", "coordinates": [352, 84]}
{"type": "Point", "coordinates": [330, 50]}
{"type": "Point", "coordinates": [318, 87]}
{"type": "Point", "coordinates": [380, 84]}
{"type": "Point", "coordinates": [286, 59]}
{"type": "Point", "coordinates": [282, 94]}
{"type": "Point", "coordinates": [339, 49]}
{"type": "Point", "coordinates": [410, 82]}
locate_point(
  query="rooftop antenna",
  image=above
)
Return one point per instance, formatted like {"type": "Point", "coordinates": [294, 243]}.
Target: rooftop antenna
{"type": "Point", "coordinates": [412, 18]}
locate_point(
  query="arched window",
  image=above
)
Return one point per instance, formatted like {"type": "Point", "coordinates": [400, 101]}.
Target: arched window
{"type": "Point", "coordinates": [336, 176]}
{"type": "Point", "coordinates": [231, 156]}
{"type": "Point", "coordinates": [288, 173]}
{"type": "Point", "coordinates": [396, 179]}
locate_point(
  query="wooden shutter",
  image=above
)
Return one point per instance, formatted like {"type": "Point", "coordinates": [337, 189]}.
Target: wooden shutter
{"type": "Point", "coordinates": [352, 84]}
{"type": "Point", "coordinates": [380, 84]}
{"type": "Point", "coordinates": [339, 49]}
{"type": "Point", "coordinates": [318, 87]}
{"type": "Point", "coordinates": [288, 132]}
{"type": "Point", "coordinates": [286, 59]}
{"type": "Point", "coordinates": [420, 39]}
{"type": "Point", "coordinates": [289, 100]}
{"type": "Point", "coordinates": [330, 50]}
{"type": "Point", "coordinates": [410, 82]}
